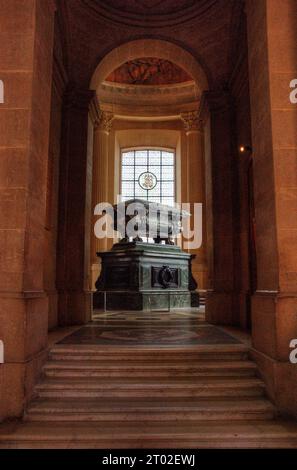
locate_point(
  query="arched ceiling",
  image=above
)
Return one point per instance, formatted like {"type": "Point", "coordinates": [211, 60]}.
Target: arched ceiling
{"type": "Point", "coordinates": [155, 7]}
{"type": "Point", "coordinates": [91, 29]}
{"type": "Point", "coordinates": [143, 11]}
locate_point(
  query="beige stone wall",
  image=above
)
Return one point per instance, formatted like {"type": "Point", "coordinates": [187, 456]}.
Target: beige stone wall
{"type": "Point", "coordinates": [26, 69]}
{"type": "Point", "coordinates": [272, 65]}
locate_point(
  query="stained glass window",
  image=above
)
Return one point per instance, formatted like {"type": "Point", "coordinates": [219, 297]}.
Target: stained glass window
{"type": "Point", "coordinates": [149, 175]}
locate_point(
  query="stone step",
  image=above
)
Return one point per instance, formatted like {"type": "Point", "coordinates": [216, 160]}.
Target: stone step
{"type": "Point", "coordinates": [149, 410]}
{"type": "Point", "coordinates": [151, 355]}
{"type": "Point", "coordinates": [97, 369]}
{"type": "Point", "coordinates": [61, 388]}
{"type": "Point", "coordinates": [106, 435]}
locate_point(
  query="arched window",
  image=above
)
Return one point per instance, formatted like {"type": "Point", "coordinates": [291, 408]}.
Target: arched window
{"type": "Point", "coordinates": [148, 174]}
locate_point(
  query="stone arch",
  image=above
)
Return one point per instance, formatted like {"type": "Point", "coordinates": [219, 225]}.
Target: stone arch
{"type": "Point", "coordinates": [153, 48]}
{"type": "Point", "coordinates": [161, 49]}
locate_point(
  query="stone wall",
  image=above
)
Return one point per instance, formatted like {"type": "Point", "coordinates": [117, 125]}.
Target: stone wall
{"type": "Point", "coordinates": [26, 62]}
{"type": "Point", "coordinates": [59, 83]}
{"type": "Point", "coordinates": [242, 175]}
{"type": "Point", "coordinates": [272, 65]}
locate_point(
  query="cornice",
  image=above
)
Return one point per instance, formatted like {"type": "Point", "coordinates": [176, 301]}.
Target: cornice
{"type": "Point", "coordinates": [148, 95]}
{"type": "Point", "coordinates": [149, 111]}
{"type": "Point", "coordinates": [179, 88]}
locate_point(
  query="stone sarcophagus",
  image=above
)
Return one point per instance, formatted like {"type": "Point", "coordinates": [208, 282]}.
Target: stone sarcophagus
{"type": "Point", "coordinates": [145, 270]}
{"type": "Point", "coordinates": [150, 220]}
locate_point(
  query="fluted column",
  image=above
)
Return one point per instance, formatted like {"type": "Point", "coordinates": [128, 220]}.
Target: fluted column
{"type": "Point", "coordinates": [196, 188]}
{"type": "Point", "coordinates": [100, 184]}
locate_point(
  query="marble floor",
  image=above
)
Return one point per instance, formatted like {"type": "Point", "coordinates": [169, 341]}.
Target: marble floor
{"type": "Point", "coordinates": [172, 328]}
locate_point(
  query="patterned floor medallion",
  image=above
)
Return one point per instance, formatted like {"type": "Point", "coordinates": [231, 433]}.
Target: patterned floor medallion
{"type": "Point", "coordinates": [128, 328]}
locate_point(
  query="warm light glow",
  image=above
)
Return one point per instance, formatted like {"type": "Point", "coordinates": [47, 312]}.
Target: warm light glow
{"type": "Point", "coordinates": [245, 149]}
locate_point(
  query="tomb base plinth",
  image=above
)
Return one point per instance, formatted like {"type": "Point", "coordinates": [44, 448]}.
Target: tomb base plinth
{"type": "Point", "coordinates": [143, 276]}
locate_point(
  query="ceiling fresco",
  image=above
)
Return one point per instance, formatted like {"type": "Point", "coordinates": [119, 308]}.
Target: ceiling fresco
{"type": "Point", "coordinates": [149, 71]}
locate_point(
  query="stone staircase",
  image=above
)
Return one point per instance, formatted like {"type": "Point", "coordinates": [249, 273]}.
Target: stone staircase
{"type": "Point", "coordinates": [116, 397]}
{"type": "Point", "coordinates": [148, 385]}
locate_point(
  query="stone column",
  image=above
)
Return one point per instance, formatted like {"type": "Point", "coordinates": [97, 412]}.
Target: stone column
{"type": "Point", "coordinates": [274, 305]}
{"type": "Point", "coordinates": [59, 85]}
{"type": "Point", "coordinates": [103, 127]}
{"type": "Point", "coordinates": [196, 190]}
{"type": "Point", "coordinates": [26, 71]}
{"type": "Point", "coordinates": [75, 201]}
{"type": "Point", "coordinates": [217, 113]}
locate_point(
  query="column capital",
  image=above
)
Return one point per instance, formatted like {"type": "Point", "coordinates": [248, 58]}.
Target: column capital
{"type": "Point", "coordinates": [191, 121]}
{"type": "Point", "coordinates": [104, 121]}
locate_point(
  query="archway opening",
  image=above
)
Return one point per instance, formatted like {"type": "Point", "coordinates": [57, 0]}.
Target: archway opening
{"type": "Point", "coordinates": [149, 94]}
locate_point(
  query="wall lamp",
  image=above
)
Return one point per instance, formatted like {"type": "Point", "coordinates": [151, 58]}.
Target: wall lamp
{"type": "Point", "coordinates": [245, 149]}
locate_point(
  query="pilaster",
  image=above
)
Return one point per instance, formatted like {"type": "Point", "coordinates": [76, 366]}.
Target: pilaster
{"type": "Point", "coordinates": [102, 129]}
{"type": "Point", "coordinates": [216, 113]}
{"type": "Point", "coordinates": [75, 206]}
{"type": "Point", "coordinates": [196, 189]}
